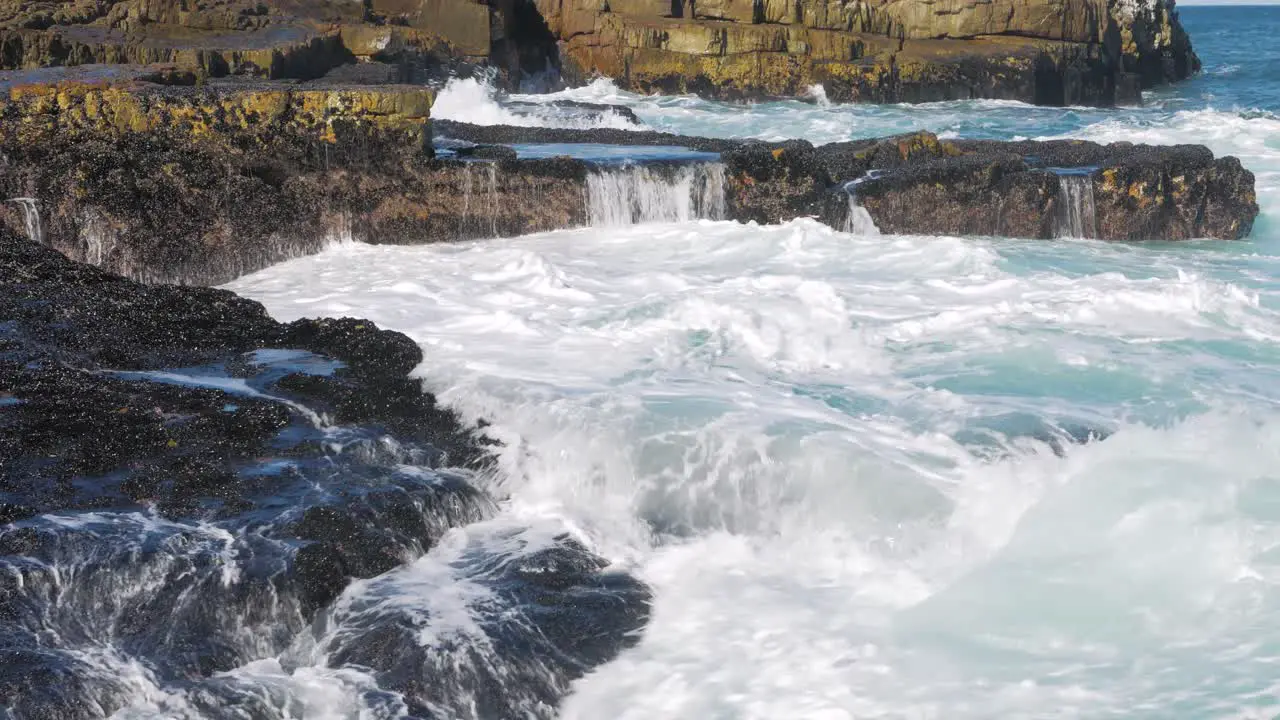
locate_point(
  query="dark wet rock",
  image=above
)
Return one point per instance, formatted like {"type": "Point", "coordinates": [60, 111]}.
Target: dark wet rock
{"type": "Point", "coordinates": [364, 347]}
{"type": "Point", "coordinates": [201, 185]}
{"type": "Point", "coordinates": [487, 152]}
{"type": "Point", "coordinates": [771, 181]}
{"type": "Point", "coordinates": [925, 185]}
{"type": "Point", "coordinates": [126, 394]}
{"type": "Point", "coordinates": [918, 184]}
{"type": "Point", "coordinates": [188, 484]}
{"type": "Point", "coordinates": [512, 134]}
{"type": "Point", "coordinates": [493, 669]}
{"type": "Point", "coordinates": [592, 112]}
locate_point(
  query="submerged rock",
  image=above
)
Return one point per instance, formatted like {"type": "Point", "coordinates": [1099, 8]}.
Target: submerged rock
{"type": "Point", "coordinates": [186, 485]}
{"type": "Point", "coordinates": [490, 666]}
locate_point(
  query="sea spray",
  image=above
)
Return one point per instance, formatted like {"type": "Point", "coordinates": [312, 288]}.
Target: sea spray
{"type": "Point", "coordinates": [634, 194]}
{"type": "Point", "coordinates": [478, 102]}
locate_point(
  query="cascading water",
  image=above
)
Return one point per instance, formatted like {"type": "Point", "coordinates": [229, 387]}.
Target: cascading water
{"type": "Point", "coordinates": [859, 221]}
{"type": "Point", "coordinates": [30, 217]}
{"type": "Point", "coordinates": [479, 214]}
{"type": "Point", "coordinates": [1075, 213]}
{"type": "Point", "coordinates": [635, 194]}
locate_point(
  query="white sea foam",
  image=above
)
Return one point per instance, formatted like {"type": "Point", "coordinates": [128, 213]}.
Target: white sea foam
{"type": "Point", "coordinates": [832, 455]}
{"type": "Point", "coordinates": [773, 426]}
{"type": "Point", "coordinates": [475, 101]}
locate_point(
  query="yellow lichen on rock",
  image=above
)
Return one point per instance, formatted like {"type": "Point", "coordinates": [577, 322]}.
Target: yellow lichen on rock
{"type": "Point", "coordinates": [249, 113]}
{"type": "Point", "coordinates": [1109, 181]}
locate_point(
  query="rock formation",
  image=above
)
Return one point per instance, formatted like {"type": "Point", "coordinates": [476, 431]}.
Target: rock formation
{"type": "Point", "coordinates": [408, 40]}
{"type": "Point", "coordinates": [202, 184]}
{"type": "Point", "coordinates": [190, 483]}
{"type": "Point", "coordinates": [1054, 52]}
{"type": "Point", "coordinates": [918, 184]}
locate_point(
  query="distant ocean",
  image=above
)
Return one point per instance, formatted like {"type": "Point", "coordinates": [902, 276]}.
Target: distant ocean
{"type": "Point", "coordinates": [864, 474]}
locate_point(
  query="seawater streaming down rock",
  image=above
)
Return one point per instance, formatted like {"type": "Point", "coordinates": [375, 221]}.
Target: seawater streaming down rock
{"type": "Point", "coordinates": [1076, 213]}
{"type": "Point", "coordinates": [655, 193]}
{"type": "Point", "coordinates": [859, 221]}
{"type": "Point", "coordinates": [860, 475]}
{"type": "Point", "coordinates": [30, 218]}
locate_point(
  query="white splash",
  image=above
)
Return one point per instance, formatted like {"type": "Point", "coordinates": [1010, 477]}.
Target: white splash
{"type": "Point", "coordinates": [818, 94]}
{"type": "Point", "coordinates": [477, 102]}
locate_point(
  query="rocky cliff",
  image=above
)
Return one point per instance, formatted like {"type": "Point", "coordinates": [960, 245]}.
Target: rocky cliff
{"type": "Point", "coordinates": [411, 40]}
{"type": "Point", "coordinates": [1094, 52]}
{"type": "Point", "coordinates": [1053, 52]}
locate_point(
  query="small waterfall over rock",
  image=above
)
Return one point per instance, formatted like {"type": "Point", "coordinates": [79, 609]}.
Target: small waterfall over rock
{"type": "Point", "coordinates": [31, 217]}
{"type": "Point", "coordinates": [479, 208]}
{"type": "Point", "coordinates": [859, 221]}
{"type": "Point", "coordinates": [655, 193]}
{"type": "Point", "coordinates": [1075, 215]}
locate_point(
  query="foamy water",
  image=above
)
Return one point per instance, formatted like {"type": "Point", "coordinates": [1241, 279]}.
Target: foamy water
{"type": "Point", "coordinates": [832, 456]}
{"type": "Point", "coordinates": [865, 476]}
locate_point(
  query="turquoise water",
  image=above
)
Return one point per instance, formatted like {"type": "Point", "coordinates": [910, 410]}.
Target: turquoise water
{"type": "Point", "coordinates": [887, 476]}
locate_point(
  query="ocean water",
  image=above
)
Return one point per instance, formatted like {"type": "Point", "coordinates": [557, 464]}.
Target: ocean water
{"type": "Point", "coordinates": [885, 476]}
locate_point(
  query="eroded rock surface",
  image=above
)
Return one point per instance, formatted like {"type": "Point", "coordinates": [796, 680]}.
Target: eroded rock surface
{"type": "Point", "coordinates": [415, 40]}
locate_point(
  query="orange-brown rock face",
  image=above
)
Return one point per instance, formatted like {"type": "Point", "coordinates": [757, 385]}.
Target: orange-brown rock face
{"type": "Point", "coordinates": [1096, 52]}
{"type": "Point", "coordinates": [211, 38]}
